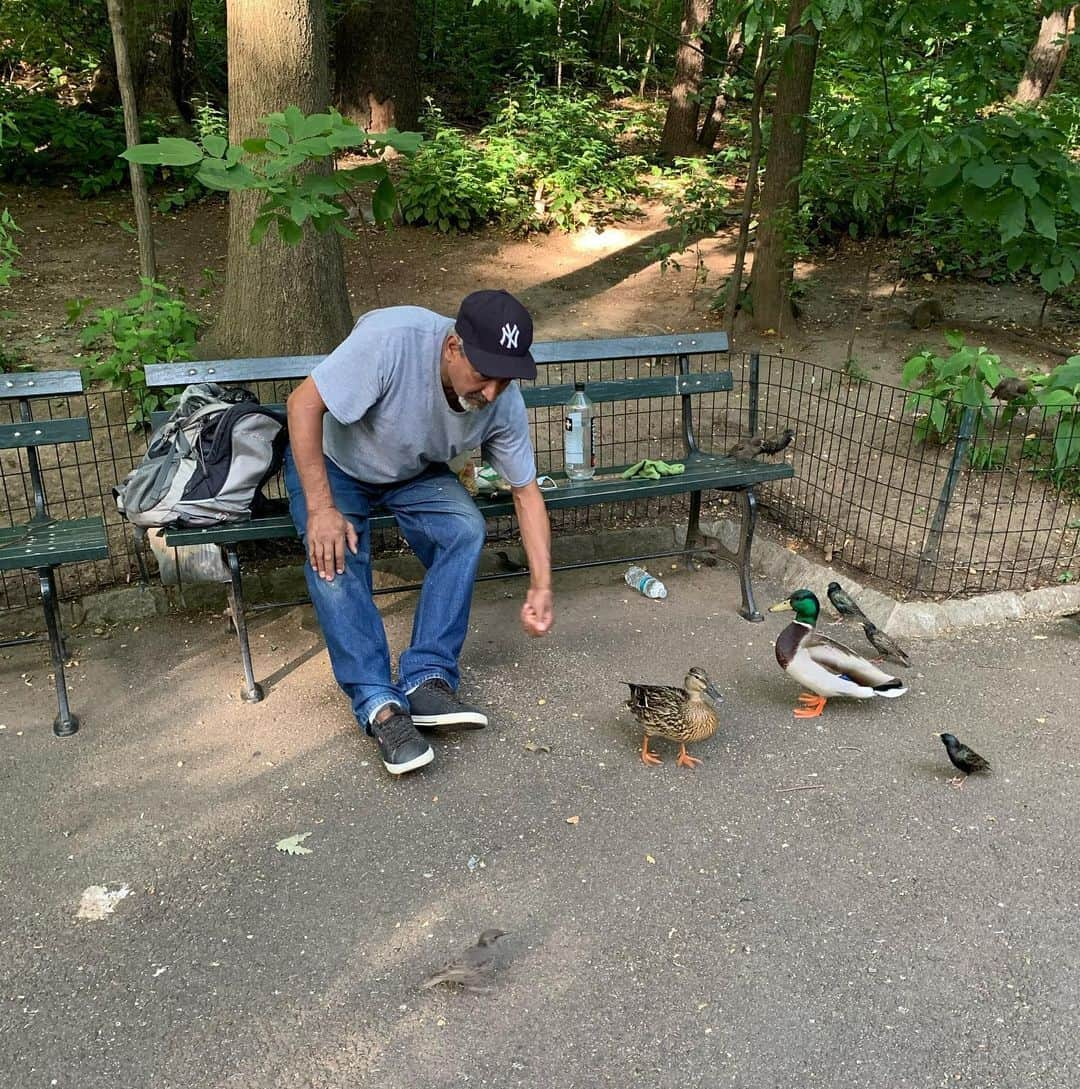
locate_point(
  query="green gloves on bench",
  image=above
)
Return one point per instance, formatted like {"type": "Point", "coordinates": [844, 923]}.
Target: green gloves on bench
{"type": "Point", "coordinates": [653, 470]}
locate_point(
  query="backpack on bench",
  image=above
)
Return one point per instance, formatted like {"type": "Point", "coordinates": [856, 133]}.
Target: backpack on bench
{"type": "Point", "coordinates": [207, 463]}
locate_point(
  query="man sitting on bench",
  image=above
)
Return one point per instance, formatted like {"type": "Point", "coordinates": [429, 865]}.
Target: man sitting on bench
{"type": "Point", "coordinates": [375, 425]}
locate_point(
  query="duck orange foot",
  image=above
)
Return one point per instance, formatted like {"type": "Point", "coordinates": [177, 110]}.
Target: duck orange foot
{"type": "Point", "coordinates": [647, 756]}
{"type": "Point", "coordinates": [810, 705]}
{"type": "Point", "coordinates": [685, 760]}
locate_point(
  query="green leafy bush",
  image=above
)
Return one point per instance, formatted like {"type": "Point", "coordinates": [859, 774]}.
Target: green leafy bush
{"type": "Point", "coordinates": [46, 140]}
{"type": "Point", "coordinates": [8, 250]}
{"type": "Point", "coordinates": [153, 326]}
{"type": "Point", "coordinates": [546, 159]}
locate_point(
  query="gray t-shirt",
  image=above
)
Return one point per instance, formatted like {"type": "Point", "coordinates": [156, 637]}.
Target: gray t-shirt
{"type": "Point", "coordinates": [388, 418]}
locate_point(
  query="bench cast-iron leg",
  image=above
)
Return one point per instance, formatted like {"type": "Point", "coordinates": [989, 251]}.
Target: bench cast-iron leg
{"type": "Point", "coordinates": [740, 558]}
{"type": "Point", "coordinates": [251, 691]}
{"type": "Point", "coordinates": [65, 723]}
{"type": "Point", "coordinates": [695, 542]}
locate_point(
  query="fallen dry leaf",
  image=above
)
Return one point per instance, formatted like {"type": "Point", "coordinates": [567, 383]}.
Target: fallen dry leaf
{"type": "Point", "coordinates": [573, 820]}
{"type": "Point", "coordinates": [536, 746]}
{"type": "Point", "coordinates": [292, 845]}
{"type": "Point", "coordinates": [650, 860]}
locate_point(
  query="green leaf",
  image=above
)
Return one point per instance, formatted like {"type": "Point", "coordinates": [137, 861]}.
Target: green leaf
{"type": "Point", "coordinates": [262, 223]}
{"type": "Point", "coordinates": [942, 174]}
{"type": "Point", "coordinates": [384, 201]}
{"type": "Point", "coordinates": [1050, 280]}
{"type": "Point", "coordinates": [1023, 177]}
{"type": "Point", "coordinates": [291, 233]}
{"type": "Point", "coordinates": [215, 175]}
{"type": "Point", "coordinates": [292, 845]}
{"type": "Point", "coordinates": [215, 145]}
{"type": "Point", "coordinates": [1013, 217]}
{"type": "Point", "coordinates": [913, 368]}
{"type": "Point", "coordinates": [1043, 219]}
{"type": "Point", "coordinates": [255, 145]}
{"type": "Point", "coordinates": [168, 151]}
{"type": "Point", "coordinates": [974, 393]}
{"type": "Point", "coordinates": [985, 174]}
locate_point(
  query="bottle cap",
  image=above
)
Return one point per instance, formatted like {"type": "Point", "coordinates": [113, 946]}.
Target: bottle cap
{"type": "Point", "coordinates": [579, 385]}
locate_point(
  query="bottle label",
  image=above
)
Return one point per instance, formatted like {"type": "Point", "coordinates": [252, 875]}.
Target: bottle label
{"type": "Point", "coordinates": [574, 438]}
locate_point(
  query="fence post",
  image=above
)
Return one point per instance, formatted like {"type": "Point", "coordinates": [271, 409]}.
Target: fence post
{"type": "Point", "coordinates": [929, 555]}
{"type": "Point", "coordinates": [751, 409]}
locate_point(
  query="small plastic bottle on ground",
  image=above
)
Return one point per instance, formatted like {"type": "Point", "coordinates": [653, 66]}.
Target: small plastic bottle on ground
{"type": "Point", "coordinates": [644, 583]}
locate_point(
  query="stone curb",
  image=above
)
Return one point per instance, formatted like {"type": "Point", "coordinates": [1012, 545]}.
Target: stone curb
{"type": "Point", "coordinates": [903, 619]}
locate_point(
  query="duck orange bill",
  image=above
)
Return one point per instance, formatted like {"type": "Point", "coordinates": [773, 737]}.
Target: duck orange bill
{"type": "Point", "coordinates": [781, 607]}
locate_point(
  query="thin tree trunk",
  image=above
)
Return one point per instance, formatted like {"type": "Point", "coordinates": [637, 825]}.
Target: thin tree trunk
{"type": "Point", "coordinates": [1047, 56]}
{"type": "Point", "coordinates": [139, 195]}
{"type": "Point", "coordinates": [160, 58]}
{"type": "Point", "coordinates": [377, 75]}
{"type": "Point", "coordinates": [679, 137]}
{"type": "Point", "coordinates": [651, 49]}
{"type": "Point", "coordinates": [710, 127]}
{"type": "Point", "coordinates": [761, 78]}
{"type": "Point", "coordinates": [773, 265]}
{"type": "Point", "coordinates": [278, 299]}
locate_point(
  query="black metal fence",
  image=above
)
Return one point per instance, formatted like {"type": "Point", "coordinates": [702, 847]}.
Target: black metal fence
{"type": "Point", "coordinates": [974, 514]}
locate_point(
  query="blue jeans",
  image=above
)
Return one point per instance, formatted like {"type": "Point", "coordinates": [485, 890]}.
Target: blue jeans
{"type": "Point", "coordinates": [439, 519]}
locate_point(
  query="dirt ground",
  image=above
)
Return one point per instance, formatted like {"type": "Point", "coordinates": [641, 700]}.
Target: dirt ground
{"type": "Point", "coordinates": [591, 284]}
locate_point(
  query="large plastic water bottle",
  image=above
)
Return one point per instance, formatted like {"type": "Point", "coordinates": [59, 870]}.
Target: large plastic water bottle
{"type": "Point", "coordinates": [579, 460]}
{"type": "Point", "coordinates": [645, 583]}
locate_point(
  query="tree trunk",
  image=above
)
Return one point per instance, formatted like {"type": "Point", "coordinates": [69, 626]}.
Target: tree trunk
{"type": "Point", "coordinates": [710, 127]}
{"type": "Point", "coordinates": [761, 79]}
{"type": "Point", "coordinates": [679, 137]}
{"type": "Point", "coordinates": [278, 299]}
{"type": "Point", "coordinates": [376, 62]}
{"type": "Point", "coordinates": [773, 268]}
{"type": "Point", "coordinates": [139, 195]}
{"type": "Point", "coordinates": [160, 40]}
{"type": "Point", "coordinates": [1047, 56]}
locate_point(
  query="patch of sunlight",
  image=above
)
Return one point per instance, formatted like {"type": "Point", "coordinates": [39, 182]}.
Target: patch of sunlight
{"type": "Point", "coordinates": [594, 241]}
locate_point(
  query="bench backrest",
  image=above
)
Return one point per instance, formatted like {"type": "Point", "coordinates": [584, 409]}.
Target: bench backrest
{"type": "Point", "coordinates": [682, 347]}
{"type": "Point", "coordinates": [28, 434]}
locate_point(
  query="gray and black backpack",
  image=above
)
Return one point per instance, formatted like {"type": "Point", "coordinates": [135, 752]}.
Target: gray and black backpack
{"type": "Point", "coordinates": [207, 463]}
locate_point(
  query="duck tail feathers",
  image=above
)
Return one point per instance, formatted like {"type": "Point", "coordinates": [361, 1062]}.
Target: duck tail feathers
{"type": "Point", "coordinates": [891, 688]}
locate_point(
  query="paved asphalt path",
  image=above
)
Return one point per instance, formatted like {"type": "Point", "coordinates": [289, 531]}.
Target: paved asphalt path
{"type": "Point", "coordinates": [813, 907]}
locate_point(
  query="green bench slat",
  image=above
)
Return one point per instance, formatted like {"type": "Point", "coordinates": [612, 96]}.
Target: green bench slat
{"type": "Point", "coordinates": [703, 473]}
{"type": "Point", "coordinates": [43, 432]}
{"type": "Point", "coordinates": [273, 368]}
{"type": "Point", "coordinates": [39, 384]}
{"type": "Point", "coordinates": [622, 389]}
{"type": "Point", "coordinates": [47, 544]}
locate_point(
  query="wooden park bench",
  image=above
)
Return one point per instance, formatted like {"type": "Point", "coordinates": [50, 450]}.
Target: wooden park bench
{"type": "Point", "coordinates": [704, 471]}
{"type": "Point", "coordinates": [44, 543]}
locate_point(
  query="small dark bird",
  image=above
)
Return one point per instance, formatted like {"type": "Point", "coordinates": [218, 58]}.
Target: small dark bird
{"type": "Point", "coordinates": [775, 445]}
{"type": "Point", "coordinates": [886, 646]}
{"type": "Point", "coordinates": [508, 564]}
{"type": "Point", "coordinates": [1008, 389]}
{"type": "Point", "coordinates": [748, 449]}
{"type": "Point", "coordinates": [963, 759]}
{"type": "Point", "coordinates": [846, 606]}
{"type": "Point", "coordinates": [472, 969]}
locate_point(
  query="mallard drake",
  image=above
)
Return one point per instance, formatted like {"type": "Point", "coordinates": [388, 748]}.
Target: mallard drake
{"type": "Point", "coordinates": [827, 668]}
{"type": "Point", "coordinates": [679, 714]}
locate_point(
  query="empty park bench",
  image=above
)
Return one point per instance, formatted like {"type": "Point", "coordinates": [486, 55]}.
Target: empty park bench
{"type": "Point", "coordinates": [43, 543]}
{"type": "Point", "coordinates": [681, 355]}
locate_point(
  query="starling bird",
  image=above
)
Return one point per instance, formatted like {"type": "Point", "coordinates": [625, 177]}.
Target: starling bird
{"type": "Point", "coordinates": [472, 968]}
{"type": "Point", "coordinates": [845, 605]}
{"type": "Point", "coordinates": [507, 563]}
{"type": "Point", "coordinates": [1008, 389]}
{"type": "Point", "coordinates": [775, 445]}
{"type": "Point", "coordinates": [963, 759]}
{"type": "Point", "coordinates": [748, 449]}
{"type": "Point", "coordinates": [889, 649]}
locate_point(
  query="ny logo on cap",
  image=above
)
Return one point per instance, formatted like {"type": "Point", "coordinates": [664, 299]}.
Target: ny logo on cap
{"type": "Point", "coordinates": [509, 338]}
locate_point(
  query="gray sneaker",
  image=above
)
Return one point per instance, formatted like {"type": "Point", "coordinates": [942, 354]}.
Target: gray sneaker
{"type": "Point", "coordinates": [400, 744]}
{"type": "Point", "coordinates": [434, 705]}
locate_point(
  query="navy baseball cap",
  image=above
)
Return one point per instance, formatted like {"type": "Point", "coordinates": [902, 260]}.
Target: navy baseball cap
{"type": "Point", "coordinates": [496, 333]}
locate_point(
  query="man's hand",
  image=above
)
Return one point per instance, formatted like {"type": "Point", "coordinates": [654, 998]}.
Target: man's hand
{"type": "Point", "coordinates": [328, 532]}
{"type": "Point", "coordinates": [538, 613]}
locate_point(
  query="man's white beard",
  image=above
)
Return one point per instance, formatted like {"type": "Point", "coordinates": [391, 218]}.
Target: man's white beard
{"type": "Point", "coordinates": [471, 406]}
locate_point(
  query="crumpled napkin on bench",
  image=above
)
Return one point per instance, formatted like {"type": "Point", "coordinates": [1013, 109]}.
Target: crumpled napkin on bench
{"type": "Point", "coordinates": [652, 469]}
